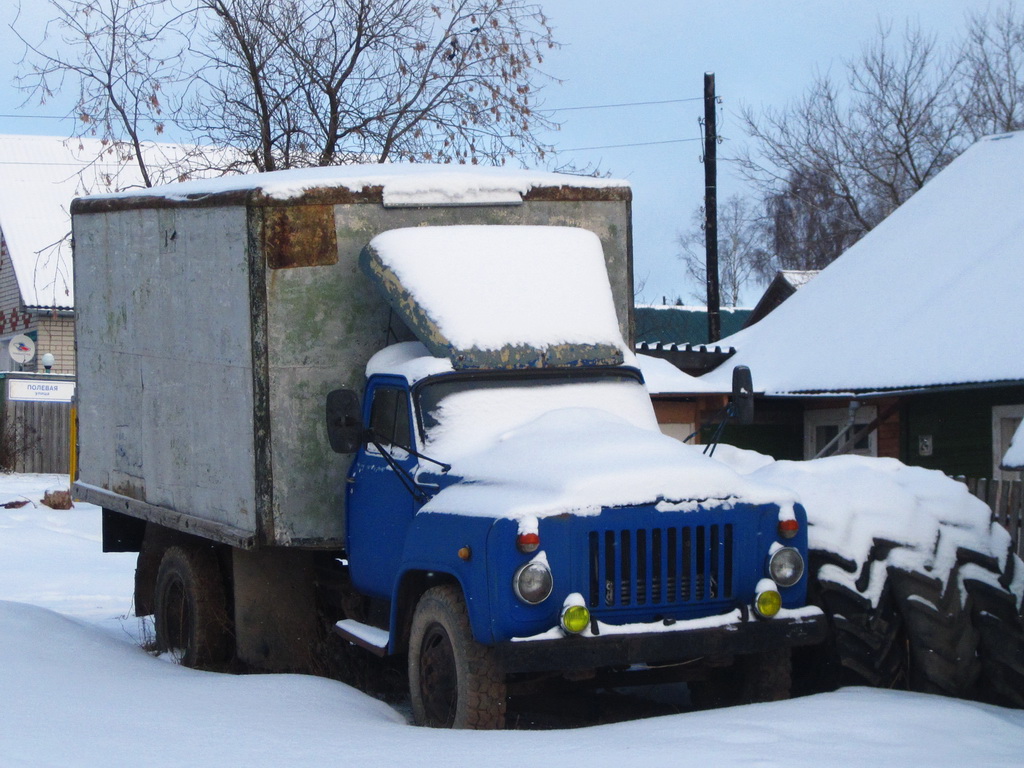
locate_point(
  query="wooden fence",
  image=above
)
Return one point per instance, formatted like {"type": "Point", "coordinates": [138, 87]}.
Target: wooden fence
{"type": "Point", "coordinates": [1006, 500]}
{"type": "Point", "coordinates": [35, 436]}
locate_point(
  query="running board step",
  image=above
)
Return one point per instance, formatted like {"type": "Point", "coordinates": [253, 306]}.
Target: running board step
{"type": "Point", "coordinates": [373, 639]}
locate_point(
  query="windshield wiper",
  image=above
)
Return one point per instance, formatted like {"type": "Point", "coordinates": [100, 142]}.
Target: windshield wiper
{"type": "Point", "coordinates": [404, 475]}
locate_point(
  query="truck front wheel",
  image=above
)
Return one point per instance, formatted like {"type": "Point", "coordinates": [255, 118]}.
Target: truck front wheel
{"type": "Point", "coordinates": [454, 681]}
{"type": "Point", "coordinates": [190, 608]}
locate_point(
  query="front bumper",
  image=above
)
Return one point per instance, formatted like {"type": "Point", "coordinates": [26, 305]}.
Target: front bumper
{"type": "Point", "coordinates": [727, 635]}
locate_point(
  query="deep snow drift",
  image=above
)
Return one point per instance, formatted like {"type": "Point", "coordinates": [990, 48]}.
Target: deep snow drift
{"type": "Point", "coordinates": [78, 691]}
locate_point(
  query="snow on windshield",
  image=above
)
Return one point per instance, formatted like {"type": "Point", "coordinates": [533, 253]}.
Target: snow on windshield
{"type": "Point", "coordinates": [464, 417]}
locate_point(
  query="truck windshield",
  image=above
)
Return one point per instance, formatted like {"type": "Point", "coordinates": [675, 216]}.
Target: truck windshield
{"type": "Point", "coordinates": [464, 413]}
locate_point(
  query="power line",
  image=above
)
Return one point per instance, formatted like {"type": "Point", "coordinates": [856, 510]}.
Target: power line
{"type": "Point", "coordinates": [623, 104]}
{"type": "Point", "coordinates": [621, 146]}
{"type": "Point", "coordinates": [36, 117]}
{"type": "Point", "coordinates": [552, 109]}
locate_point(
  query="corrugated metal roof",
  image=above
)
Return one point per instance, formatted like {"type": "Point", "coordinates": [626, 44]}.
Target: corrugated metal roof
{"type": "Point", "coordinates": [669, 324]}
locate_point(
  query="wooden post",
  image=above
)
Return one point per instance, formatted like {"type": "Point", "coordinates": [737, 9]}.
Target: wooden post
{"type": "Point", "coordinates": [711, 209]}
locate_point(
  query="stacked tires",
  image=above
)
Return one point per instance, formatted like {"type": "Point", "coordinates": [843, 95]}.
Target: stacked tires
{"type": "Point", "coordinates": [898, 627]}
{"type": "Point", "coordinates": [922, 590]}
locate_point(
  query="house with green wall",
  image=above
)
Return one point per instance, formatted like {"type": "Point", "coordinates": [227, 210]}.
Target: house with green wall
{"type": "Point", "coordinates": [908, 345]}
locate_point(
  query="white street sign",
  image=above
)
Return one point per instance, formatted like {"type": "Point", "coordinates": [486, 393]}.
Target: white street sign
{"type": "Point", "coordinates": [40, 390]}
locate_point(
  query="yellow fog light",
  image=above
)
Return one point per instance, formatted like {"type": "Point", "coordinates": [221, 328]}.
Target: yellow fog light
{"type": "Point", "coordinates": [575, 618]}
{"type": "Point", "coordinates": [768, 603]}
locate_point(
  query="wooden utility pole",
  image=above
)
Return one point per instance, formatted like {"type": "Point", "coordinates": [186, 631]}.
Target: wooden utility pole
{"type": "Point", "coordinates": [711, 208]}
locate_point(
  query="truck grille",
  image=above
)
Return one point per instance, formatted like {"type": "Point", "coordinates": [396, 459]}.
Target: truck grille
{"type": "Point", "coordinates": [660, 566]}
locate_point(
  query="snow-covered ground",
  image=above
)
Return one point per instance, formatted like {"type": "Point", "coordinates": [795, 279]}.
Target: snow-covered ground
{"type": "Point", "coordinates": [77, 690]}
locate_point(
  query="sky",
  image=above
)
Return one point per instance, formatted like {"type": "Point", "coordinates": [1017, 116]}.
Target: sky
{"type": "Point", "coordinates": [763, 53]}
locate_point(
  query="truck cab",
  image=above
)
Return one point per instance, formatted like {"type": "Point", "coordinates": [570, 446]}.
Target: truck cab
{"type": "Point", "coordinates": [572, 536]}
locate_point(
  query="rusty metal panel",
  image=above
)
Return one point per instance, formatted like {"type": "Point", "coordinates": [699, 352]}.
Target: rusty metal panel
{"type": "Point", "coordinates": [299, 236]}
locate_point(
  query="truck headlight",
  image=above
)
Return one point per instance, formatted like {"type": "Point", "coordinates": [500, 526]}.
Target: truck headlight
{"type": "Point", "coordinates": [575, 618]}
{"type": "Point", "coordinates": [786, 566]}
{"type": "Point", "coordinates": [768, 603]}
{"type": "Point", "coordinates": [532, 582]}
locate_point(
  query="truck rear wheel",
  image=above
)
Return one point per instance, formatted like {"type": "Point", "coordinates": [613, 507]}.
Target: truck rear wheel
{"type": "Point", "coordinates": [190, 607]}
{"type": "Point", "coordinates": [454, 681]}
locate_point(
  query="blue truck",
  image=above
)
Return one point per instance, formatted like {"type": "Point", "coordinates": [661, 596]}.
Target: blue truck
{"type": "Point", "coordinates": [395, 411]}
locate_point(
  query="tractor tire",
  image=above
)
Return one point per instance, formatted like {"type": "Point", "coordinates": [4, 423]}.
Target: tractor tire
{"type": "Point", "coordinates": [190, 608]}
{"type": "Point", "coordinates": [942, 640]}
{"type": "Point", "coordinates": [867, 640]}
{"type": "Point", "coordinates": [454, 681]}
{"type": "Point", "coordinates": [995, 612]}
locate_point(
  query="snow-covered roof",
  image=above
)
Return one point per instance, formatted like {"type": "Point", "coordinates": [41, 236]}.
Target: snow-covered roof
{"type": "Point", "coordinates": [931, 296]}
{"type": "Point", "coordinates": [799, 277]}
{"type": "Point", "coordinates": [410, 184]}
{"type": "Point", "coordinates": [663, 378]}
{"type": "Point", "coordinates": [1014, 458]}
{"type": "Point", "coordinates": [41, 176]}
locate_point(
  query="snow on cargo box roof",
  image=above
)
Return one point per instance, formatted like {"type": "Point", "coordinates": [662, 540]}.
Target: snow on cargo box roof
{"type": "Point", "coordinates": [500, 296]}
{"type": "Point", "coordinates": [394, 184]}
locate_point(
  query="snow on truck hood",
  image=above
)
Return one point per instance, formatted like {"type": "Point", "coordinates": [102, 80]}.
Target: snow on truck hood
{"type": "Point", "coordinates": [580, 460]}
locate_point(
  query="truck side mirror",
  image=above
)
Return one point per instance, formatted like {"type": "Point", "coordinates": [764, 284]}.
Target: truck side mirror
{"type": "Point", "coordinates": [344, 422]}
{"type": "Point", "coordinates": [743, 394]}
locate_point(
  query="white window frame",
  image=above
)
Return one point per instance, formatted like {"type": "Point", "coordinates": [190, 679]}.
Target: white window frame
{"type": "Point", "coordinates": [839, 417]}
{"type": "Point", "coordinates": [1000, 412]}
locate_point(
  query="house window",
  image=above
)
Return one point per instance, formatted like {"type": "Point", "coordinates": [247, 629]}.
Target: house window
{"type": "Point", "coordinates": [6, 364]}
{"type": "Point", "coordinates": [822, 426]}
{"type": "Point", "coordinates": [1005, 420]}
{"type": "Point", "coordinates": [679, 431]}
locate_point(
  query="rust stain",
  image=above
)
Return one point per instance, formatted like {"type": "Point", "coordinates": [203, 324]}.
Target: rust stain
{"type": "Point", "coordinates": [299, 236]}
{"type": "Point", "coordinates": [137, 492]}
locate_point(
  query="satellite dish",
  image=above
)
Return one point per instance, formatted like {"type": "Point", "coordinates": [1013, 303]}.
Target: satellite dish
{"type": "Point", "coordinates": [21, 349]}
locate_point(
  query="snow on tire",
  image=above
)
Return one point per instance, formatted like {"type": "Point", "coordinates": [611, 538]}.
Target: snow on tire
{"type": "Point", "coordinates": [942, 639]}
{"type": "Point", "coordinates": [866, 646]}
{"type": "Point", "coordinates": [996, 614]}
{"type": "Point", "coordinates": [919, 584]}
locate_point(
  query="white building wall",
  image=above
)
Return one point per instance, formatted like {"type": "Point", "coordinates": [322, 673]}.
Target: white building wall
{"type": "Point", "coordinates": [55, 335]}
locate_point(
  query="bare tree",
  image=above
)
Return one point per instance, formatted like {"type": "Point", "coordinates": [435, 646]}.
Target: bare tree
{"type": "Point", "coordinates": [870, 146]}
{"type": "Point", "coordinates": [806, 225]}
{"type": "Point", "coordinates": [307, 82]}
{"type": "Point", "coordinates": [120, 56]}
{"type": "Point", "coordinates": [993, 101]}
{"type": "Point", "coordinates": [741, 252]}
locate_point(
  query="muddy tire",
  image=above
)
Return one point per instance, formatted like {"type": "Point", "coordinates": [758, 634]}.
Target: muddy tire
{"type": "Point", "coordinates": [454, 681]}
{"type": "Point", "coordinates": [190, 607]}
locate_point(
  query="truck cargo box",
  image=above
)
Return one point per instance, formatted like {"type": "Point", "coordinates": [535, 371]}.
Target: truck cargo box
{"type": "Point", "coordinates": [214, 317]}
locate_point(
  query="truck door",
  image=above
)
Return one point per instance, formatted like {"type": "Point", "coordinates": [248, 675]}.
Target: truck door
{"type": "Point", "coordinates": [380, 505]}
